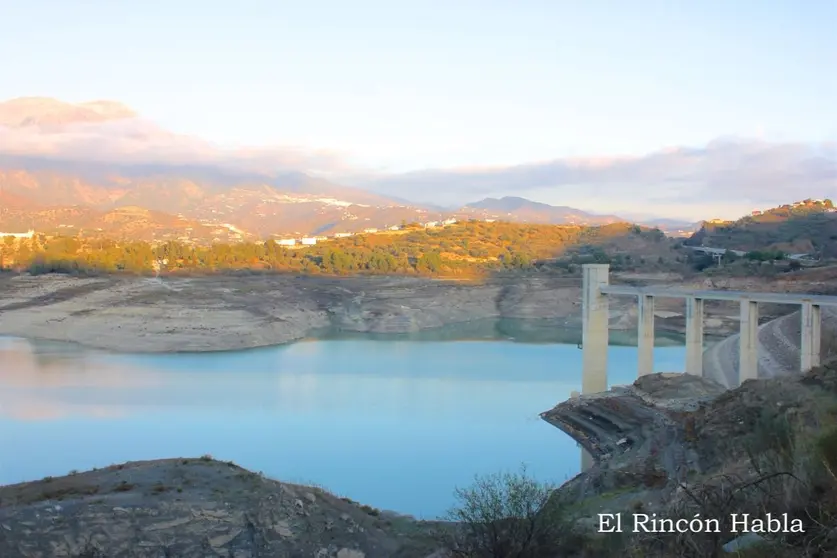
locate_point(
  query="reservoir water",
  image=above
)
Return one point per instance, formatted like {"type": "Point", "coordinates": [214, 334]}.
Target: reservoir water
{"type": "Point", "coordinates": [395, 423]}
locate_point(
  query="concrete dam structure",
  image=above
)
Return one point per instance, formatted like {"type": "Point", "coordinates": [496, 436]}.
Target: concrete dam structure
{"type": "Point", "coordinates": [597, 290]}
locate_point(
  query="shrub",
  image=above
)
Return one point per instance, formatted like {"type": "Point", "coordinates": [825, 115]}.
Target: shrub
{"type": "Point", "coordinates": [507, 515]}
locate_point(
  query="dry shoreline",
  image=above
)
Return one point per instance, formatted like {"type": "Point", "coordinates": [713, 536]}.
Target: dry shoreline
{"type": "Point", "coordinates": [141, 315]}
{"type": "Point", "coordinates": [221, 313]}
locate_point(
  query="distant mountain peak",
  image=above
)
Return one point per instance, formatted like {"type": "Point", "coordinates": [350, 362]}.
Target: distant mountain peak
{"type": "Point", "coordinates": [509, 203]}
{"type": "Point", "coordinates": [38, 111]}
{"type": "Point", "coordinates": [526, 210]}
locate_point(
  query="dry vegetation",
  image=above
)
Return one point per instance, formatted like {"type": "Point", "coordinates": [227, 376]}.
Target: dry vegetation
{"type": "Point", "coordinates": [466, 250]}
{"type": "Point", "coordinates": [810, 227]}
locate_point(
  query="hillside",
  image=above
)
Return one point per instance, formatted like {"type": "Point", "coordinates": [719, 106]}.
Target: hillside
{"type": "Point", "coordinates": [464, 250]}
{"type": "Point", "coordinates": [197, 507]}
{"type": "Point", "coordinates": [129, 223]}
{"type": "Point", "coordinates": [807, 227]}
{"type": "Point", "coordinates": [526, 211]}
{"type": "Point", "coordinates": [286, 203]}
{"type": "Point", "coordinates": [101, 155]}
{"type": "Point", "coordinates": [35, 192]}
{"type": "Point", "coordinates": [60, 159]}
{"type": "Point", "coordinates": [522, 210]}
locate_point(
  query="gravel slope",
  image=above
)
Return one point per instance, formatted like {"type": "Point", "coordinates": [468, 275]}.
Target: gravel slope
{"type": "Point", "coordinates": [779, 342]}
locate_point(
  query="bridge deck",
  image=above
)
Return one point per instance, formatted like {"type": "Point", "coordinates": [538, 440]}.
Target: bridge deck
{"type": "Point", "coordinates": [776, 298]}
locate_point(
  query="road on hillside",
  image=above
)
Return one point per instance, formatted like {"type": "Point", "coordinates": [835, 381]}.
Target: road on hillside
{"type": "Point", "coordinates": [778, 349]}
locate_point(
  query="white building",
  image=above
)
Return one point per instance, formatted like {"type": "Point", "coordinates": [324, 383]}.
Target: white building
{"type": "Point", "coordinates": [431, 224]}
{"type": "Point", "coordinates": [343, 235]}
{"type": "Point", "coordinates": [28, 234]}
{"type": "Point", "coordinates": [370, 230]}
{"type": "Point", "coordinates": [450, 221]}
{"type": "Point", "coordinates": [308, 241]}
{"type": "Point", "coordinates": [287, 242]}
{"type": "Point", "coordinates": [395, 228]}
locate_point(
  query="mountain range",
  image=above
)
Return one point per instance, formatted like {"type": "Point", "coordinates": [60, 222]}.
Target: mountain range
{"type": "Point", "coordinates": [95, 168]}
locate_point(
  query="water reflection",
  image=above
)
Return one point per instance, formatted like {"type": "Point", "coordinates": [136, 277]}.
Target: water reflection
{"type": "Point", "coordinates": [48, 381]}
{"type": "Point", "coordinates": [396, 424]}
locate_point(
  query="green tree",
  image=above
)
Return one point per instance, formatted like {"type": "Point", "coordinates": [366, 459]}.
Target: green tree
{"type": "Point", "coordinates": [431, 261]}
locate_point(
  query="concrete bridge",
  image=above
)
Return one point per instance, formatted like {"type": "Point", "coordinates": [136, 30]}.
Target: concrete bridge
{"type": "Point", "coordinates": [720, 252]}
{"type": "Point", "coordinates": [595, 319]}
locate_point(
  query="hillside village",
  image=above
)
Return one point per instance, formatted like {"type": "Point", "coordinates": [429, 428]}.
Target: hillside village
{"type": "Point", "coordinates": [238, 235]}
{"type": "Point", "coordinates": [312, 240]}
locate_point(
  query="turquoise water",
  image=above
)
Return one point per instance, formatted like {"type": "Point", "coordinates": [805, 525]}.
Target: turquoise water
{"type": "Point", "coordinates": [393, 424]}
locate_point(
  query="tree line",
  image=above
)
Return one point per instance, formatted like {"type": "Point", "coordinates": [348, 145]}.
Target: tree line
{"type": "Point", "coordinates": [468, 249]}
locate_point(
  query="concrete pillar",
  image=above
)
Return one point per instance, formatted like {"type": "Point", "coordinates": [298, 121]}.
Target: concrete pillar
{"type": "Point", "coordinates": [594, 328]}
{"type": "Point", "coordinates": [748, 367]}
{"type": "Point", "coordinates": [809, 348]}
{"type": "Point", "coordinates": [645, 332]}
{"type": "Point", "coordinates": [595, 318]}
{"type": "Point", "coordinates": [694, 336]}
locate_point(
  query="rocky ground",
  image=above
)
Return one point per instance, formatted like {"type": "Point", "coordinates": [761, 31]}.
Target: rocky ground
{"type": "Point", "coordinates": [234, 312]}
{"type": "Point", "coordinates": [676, 445]}
{"type": "Point", "coordinates": [195, 508]}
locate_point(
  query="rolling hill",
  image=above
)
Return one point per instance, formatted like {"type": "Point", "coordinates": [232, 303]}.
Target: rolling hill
{"type": "Point", "coordinates": [526, 211]}
{"type": "Point", "coordinates": [287, 203]}
{"type": "Point", "coordinates": [66, 166]}
{"type": "Point", "coordinates": [123, 223]}
{"type": "Point", "coordinates": [806, 227]}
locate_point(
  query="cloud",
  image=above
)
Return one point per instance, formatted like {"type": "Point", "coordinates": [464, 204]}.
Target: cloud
{"type": "Point", "coordinates": [726, 171]}
{"type": "Point", "coordinates": [734, 174]}
{"type": "Point", "coordinates": [137, 141]}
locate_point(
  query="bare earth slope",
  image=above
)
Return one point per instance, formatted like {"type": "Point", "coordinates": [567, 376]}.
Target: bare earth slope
{"type": "Point", "coordinates": [779, 342]}
{"type": "Point", "coordinates": [194, 508]}
{"type": "Point", "coordinates": [226, 312]}
{"type": "Point", "coordinates": [666, 429]}
{"type": "Point", "coordinates": [234, 312]}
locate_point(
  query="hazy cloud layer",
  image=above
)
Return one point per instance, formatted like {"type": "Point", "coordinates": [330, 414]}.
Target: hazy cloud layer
{"type": "Point", "coordinates": [735, 174]}
{"type": "Point", "coordinates": [136, 141]}
{"type": "Point", "coordinates": [729, 171]}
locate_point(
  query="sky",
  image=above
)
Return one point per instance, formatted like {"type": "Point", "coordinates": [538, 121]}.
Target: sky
{"type": "Point", "coordinates": [468, 92]}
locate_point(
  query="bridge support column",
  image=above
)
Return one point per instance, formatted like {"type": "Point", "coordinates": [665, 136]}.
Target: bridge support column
{"type": "Point", "coordinates": [645, 333]}
{"type": "Point", "coordinates": [809, 348]}
{"type": "Point", "coordinates": [595, 318]}
{"type": "Point", "coordinates": [694, 336]}
{"type": "Point", "coordinates": [748, 361]}
{"type": "Point", "coordinates": [594, 328]}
